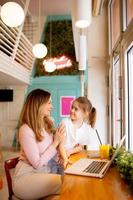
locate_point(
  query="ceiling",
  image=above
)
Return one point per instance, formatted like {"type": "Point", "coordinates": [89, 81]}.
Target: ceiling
{"type": "Point", "coordinates": [48, 7]}
{"type": "Point", "coordinates": [6, 80]}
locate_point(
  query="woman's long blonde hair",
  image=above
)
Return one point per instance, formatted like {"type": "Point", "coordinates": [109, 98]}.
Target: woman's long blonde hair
{"type": "Point", "coordinates": [30, 114]}
{"type": "Point", "coordinates": [86, 106]}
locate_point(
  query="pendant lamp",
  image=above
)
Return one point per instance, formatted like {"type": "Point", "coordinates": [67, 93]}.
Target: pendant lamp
{"type": "Point", "coordinates": [82, 13]}
{"type": "Point", "coordinates": [12, 14]}
{"type": "Point", "coordinates": [39, 50]}
{"type": "Point", "coordinates": [50, 66]}
{"type": "Point", "coordinates": [82, 52]}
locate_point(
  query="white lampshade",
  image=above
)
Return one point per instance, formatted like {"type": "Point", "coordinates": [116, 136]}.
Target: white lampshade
{"type": "Point", "coordinates": [39, 50]}
{"type": "Point", "coordinates": [50, 66]}
{"type": "Point", "coordinates": [82, 12]}
{"type": "Point", "coordinates": [82, 52]}
{"type": "Point", "coordinates": [12, 14]}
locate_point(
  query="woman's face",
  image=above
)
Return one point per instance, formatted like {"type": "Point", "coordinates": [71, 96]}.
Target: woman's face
{"type": "Point", "coordinates": [76, 112]}
{"type": "Point", "coordinates": [46, 108]}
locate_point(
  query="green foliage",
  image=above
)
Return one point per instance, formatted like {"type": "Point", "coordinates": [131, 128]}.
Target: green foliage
{"type": "Point", "coordinates": [58, 37]}
{"type": "Point", "coordinates": [61, 38]}
{"type": "Point", "coordinates": [124, 162]}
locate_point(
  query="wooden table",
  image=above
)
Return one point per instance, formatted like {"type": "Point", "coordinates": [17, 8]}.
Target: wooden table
{"type": "Point", "coordinates": [111, 187]}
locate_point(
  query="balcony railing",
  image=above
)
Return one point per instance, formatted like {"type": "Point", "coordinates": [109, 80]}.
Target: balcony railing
{"type": "Point", "coordinates": [16, 47]}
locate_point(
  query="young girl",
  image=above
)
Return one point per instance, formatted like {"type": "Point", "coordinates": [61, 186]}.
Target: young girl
{"type": "Point", "coordinates": [79, 128]}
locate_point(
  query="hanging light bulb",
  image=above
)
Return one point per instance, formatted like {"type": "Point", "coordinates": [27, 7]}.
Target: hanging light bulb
{"type": "Point", "coordinates": [12, 14]}
{"type": "Point", "coordinates": [39, 50]}
{"type": "Point", "coordinates": [50, 66]}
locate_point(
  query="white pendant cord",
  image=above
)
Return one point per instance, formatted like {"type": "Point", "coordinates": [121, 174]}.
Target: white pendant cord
{"type": "Point", "coordinates": [50, 65]}
{"type": "Point", "coordinates": [50, 39]}
{"type": "Point", "coordinates": [20, 30]}
{"type": "Point", "coordinates": [39, 49]}
{"type": "Point", "coordinates": [39, 20]}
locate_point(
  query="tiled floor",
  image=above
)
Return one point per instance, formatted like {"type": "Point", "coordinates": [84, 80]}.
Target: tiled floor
{"type": "Point", "coordinates": [6, 154]}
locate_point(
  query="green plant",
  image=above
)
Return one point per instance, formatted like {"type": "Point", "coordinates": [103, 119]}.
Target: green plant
{"type": "Point", "coordinates": [124, 162]}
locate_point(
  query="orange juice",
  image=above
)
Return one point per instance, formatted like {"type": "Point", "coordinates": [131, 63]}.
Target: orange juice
{"type": "Point", "coordinates": [104, 151]}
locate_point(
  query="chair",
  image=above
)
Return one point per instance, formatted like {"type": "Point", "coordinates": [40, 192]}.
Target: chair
{"type": "Point", "coordinates": [9, 165]}
{"type": "Point", "coordinates": [1, 155]}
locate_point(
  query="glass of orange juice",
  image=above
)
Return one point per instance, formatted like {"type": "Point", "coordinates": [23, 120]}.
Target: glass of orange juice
{"type": "Point", "coordinates": [104, 151]}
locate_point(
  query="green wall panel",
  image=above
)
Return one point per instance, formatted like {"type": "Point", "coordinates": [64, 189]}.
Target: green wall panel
{"type": "Point", "coordinates": [57, 86]}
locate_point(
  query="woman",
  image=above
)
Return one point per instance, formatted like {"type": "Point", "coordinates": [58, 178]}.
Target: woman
{"type": "Point", "coordinates": [33, 178]}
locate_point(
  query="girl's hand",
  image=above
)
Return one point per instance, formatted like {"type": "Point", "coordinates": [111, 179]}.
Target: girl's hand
{"type": "Point", "coordinates": [59, 135]}
{"type": "Point", "coordinates": [80, 147]}
{"type": "Point", "coordinates": [66, 162]}
{"type": "Point", "coordinates": [77, 148]}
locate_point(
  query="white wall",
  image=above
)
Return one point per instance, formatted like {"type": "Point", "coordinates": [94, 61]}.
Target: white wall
{"type": "Point", "coordinates": [9, 115]}
{"type": "Point", "coordinates": [98, 71]}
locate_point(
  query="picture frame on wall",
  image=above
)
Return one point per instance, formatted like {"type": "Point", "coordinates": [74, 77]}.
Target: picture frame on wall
{"type": "Point", "coordinates": [65, 105]}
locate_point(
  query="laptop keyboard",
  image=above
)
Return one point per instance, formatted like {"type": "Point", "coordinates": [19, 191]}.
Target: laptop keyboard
{"type": "Point", "coordinates": [95, 167]}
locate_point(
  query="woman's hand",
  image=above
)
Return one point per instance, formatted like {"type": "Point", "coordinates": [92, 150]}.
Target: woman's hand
{"type": "Point", "coordinates": [79, 146]}
{"type": "Point", "coordinates": [59, 135]}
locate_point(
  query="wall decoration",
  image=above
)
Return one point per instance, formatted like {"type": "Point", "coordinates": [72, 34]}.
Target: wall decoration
{"type": "Point", "coordinates": [65, 105]}
{"type": "Point", "coordinates": [60, 43]}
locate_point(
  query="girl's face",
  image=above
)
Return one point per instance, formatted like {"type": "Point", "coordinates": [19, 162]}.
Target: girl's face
{"type": "Point", "coordinates": [76, 112]}
{"type": "Point", "coordinates": [46, 108]}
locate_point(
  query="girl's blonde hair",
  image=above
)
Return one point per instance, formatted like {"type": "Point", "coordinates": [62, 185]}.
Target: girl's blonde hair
{"type": "Point", "coordinates": [86, 106]}
{"type": "Point", "coordinates": [30, 114]}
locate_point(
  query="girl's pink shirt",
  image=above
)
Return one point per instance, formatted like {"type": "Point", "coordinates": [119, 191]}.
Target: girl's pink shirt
{"type": "Point", "coordinates": [35, 153]}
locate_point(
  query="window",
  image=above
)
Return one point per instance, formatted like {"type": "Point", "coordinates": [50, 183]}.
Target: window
{"type": "Point", "coordinates": [116, 102]}
{"type": "Point", "coordinates": [121, 57]}
{"type": "Point", "coordinates": [115, 23]}
{"type": "Point", "coordinates": [129, 10]}
{"type": "Point", "coordinates": [130, 96]}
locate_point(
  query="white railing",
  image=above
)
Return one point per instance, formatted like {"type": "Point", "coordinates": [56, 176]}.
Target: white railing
{"type": "Point", "coordinates": [19, 51]}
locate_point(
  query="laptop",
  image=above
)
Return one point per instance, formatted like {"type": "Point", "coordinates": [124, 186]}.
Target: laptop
{"type": "Point", "coordinates": [92, 167]}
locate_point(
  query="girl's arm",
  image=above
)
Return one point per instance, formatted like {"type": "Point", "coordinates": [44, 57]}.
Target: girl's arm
{"type": "Point", "coordinates": [76, 149]}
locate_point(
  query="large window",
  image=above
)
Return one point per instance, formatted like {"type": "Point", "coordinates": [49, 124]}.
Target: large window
{"type": "Point", "coordinates": [116, 102]}
{"type": "Point", "coordinates": [130, 95]}
{"type": "Point", "coordinates": [121, 57]}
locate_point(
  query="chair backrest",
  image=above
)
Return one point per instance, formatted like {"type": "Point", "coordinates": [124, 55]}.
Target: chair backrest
{"type": "Point", "coordinates": [8, 165]}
